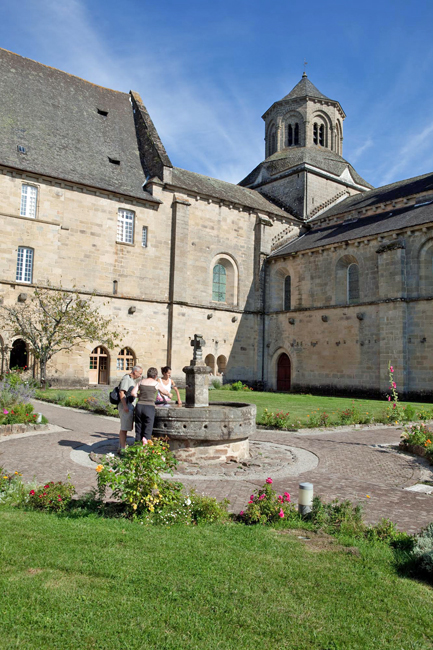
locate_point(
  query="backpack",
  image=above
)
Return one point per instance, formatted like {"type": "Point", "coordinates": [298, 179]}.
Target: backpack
{"type": "Point", "coordinates": [114, 397]}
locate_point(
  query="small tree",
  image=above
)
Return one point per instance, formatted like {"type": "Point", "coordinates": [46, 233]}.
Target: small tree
{"type": "Point", "coordinates": [55, 320]}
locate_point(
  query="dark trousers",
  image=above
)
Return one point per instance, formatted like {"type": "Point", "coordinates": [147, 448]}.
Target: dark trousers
{"type": "Point", "coordinates": [144, 418]}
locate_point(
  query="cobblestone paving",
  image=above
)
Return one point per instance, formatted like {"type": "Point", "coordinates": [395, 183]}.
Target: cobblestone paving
{"type": "Point", "coordinates": [351, 465]}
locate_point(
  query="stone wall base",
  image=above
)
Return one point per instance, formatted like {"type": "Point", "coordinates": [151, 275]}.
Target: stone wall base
{"type": "Point", "coordinates": [201, 451]}
{"type": "Point", "coordinates": [8, 429]}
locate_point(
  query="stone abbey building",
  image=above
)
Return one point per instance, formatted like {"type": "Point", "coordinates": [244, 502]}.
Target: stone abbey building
{"type": "Point", "coordinates": [301, 277]}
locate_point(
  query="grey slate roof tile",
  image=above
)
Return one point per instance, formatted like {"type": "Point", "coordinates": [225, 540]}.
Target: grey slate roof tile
{"type": "Point", "coordinates": [207, 186]}
{"type": "Point", "coordinates": [383, 194]}
{"type": "Point", "coordinates": [326, 234]}
{"type": "Point", "coordinates": [305, 89]}
{"type": "Point", "coordinates": [54, 115]}
{"type": "Point", "coordinates": [291, 157]}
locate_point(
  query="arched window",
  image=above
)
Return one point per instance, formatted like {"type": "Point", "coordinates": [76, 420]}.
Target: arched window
{"type": "Point", "coordinates": [347, 286]}
{"type": "Point", "coordinates": [315, 133]}
{"type": "Point", "coordinates": [289, 135]}
{"type": "Point", "coordinates": [353, 283]}
{"type": "Point", "coordinates": [219, 283]}
{"type": "Point", "coordinates": [296, 134]}
{"type": "Point", "coordinates": [322, 135]}
{"type": "Point", "coordinates": [125, 360]}
{"type": "Point", "coordinates": [287, 293]}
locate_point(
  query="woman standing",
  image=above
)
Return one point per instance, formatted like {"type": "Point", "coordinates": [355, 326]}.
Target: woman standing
{"type": "Point", "coordinates": [146, 391]}
{"type": "Point", "coordinates": [169, 384]}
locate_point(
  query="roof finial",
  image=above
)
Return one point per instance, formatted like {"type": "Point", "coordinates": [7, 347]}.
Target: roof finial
{"type": "Point", "coordinates": [304, 74]}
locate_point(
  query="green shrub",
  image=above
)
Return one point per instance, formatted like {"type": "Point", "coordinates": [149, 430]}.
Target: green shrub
{"type": "Point", "coordinates": [238, 385]}
{"type": "Point", "coordinates": [216, 383]}
{"type": "Point", "coordinates": [416, 434]}
{"type": "Point", "coordinates": [135, 477]}
{"type": "Point", "coordinates": [266, 507]}
{"type": "Point", "coordinates": [279, 420]}
{"type": "Point", "coordinates": [337, 516]}
{"type": "Point", "coordinates": [53, 497]}
{"type": "Point", "coordinates": [386, 531]}
{"type": "Point", "coordinates": [423, 550]}
{"type": "Point", "coordinates": [17, 414]}
{"type": "Point", "coordinates": [207, 509]}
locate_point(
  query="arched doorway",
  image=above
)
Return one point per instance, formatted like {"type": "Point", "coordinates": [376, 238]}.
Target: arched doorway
{"type": "Point", "coordinates": [19, 355]}
{"type": "Point", "coordinates": [210, 361]}
{"type": "Point", "coordinates": [283, 373]}
{"type": "Point", "coordinates": [99, 366]}
{"type": "Point", "coordinates": [125, 360]}
{"type": "Point", "coordinates": [221, 364]}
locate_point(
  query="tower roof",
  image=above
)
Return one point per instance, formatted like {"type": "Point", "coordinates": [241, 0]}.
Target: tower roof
{"type": "Point", "coordinates": [305, 89]}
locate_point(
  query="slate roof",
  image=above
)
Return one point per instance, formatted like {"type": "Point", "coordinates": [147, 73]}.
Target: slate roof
{"type": "Point", "coordinates": [383, 194]}
{"type": "Point", "coordinates": [326, 234]}
{"type": "Point", "coordinates": [305, 89]}
{"type": "Point", "coordinates": [207, 186]}
{"type": "Point", "coordinates": [291, 157]}
{"type": "Point", "coordinates": [54, 115]}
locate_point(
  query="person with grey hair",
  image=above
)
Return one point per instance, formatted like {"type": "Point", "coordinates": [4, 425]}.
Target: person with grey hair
{"type": "Point", "coordinates": [146, 391]}
{"type": "Point", "coordinates": [126, 404]}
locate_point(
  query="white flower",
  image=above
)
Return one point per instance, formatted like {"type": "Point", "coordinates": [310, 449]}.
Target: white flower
{"type": "Point", "coordinates": [110, 455]}
{"type": "Point", "coordinates": [163, 458]}
{"type": "Point", "coordinates": [188, 502]}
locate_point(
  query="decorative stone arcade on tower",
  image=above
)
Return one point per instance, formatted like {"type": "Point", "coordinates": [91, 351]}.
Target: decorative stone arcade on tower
{"type": "Point", "coordinates": [200, 432]}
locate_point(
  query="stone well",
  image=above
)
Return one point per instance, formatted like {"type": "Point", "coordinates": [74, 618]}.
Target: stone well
{"type": "Point", "coordinates": [202, 432]}
{"type": "Point", "coordinates": [212, 434]}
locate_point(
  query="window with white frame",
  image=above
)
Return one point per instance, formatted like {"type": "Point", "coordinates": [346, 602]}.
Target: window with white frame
{"type": "Point", "coordinates": [144, 237]}
{"type": "Point", "coordinates": [125, 226]}
{"type": "Point", "coordinates": [29, 198]}
{"type": "Point", "coordinates": [24, 264]}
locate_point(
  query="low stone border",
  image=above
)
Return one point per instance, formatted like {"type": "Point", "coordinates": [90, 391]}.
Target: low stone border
{"type": "Point", "coordinates": [8, 429]}
{"type": "Point", "coordinates": [417, 450]}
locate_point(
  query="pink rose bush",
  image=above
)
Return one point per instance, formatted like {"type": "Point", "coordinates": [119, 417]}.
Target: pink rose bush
{"type": "Point", "coordinates": [266, 506]}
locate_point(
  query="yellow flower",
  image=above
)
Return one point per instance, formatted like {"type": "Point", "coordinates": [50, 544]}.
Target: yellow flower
{"type": "Point", "coordinates": [151, 508]}
{"type": "Point", "coordinates": [5, 476]}
{"type": "Point", "coordinates": [134, 505]}
{"type": "Point", "coordinates": [16, 472]}
{"type": "Point", "coordinates": [368, 496]}
{"type": "Point", "coordinates": [99, 468]}
{"type": "Point", "coordinates": [149, 442]}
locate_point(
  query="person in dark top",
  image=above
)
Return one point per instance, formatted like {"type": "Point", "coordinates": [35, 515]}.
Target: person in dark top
{"type": "Point", "coordinates": [146, 391]}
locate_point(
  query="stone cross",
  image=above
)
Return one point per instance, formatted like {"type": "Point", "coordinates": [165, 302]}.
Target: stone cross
{"type": "Point", "coordinates": [198, 343]}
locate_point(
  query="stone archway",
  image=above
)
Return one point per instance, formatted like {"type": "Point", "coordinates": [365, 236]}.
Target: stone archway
{"type": "Point", "coordinates": [284, 372]}
{"type": "Point", "coordinates": [19, 354]}
{"type": "Point", "coordinates": [210, 361]}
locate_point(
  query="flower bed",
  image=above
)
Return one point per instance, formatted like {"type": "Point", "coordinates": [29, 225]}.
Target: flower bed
{"type": "Point", "coordinates": [417, 439]}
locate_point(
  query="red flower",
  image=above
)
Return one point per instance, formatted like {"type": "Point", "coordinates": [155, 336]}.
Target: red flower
{"type": "Point", "coordinates": [45, 494]}
{"type": "Point", "coordinates": [59, 499]}
{"type": "Point", "coordinates": [47, 485]}
{"type": "Point", "coordinates": [31, 492]}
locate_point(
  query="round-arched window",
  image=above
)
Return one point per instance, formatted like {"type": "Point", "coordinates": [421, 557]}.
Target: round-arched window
{"type": "Point", "coordinates": [353, 283]}
{"type": "Point", "coordinates": [219, 283]}
{"type": "Point", "coordinates": [125, 360]}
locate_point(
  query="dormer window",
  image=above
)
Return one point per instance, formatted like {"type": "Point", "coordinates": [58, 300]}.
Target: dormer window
{"type": "Point", "coordinates": [21, 149]}
{"type": "Point", "coordinates": [114, 161]}
{"type": "Point", "coordinates": [101, 112]}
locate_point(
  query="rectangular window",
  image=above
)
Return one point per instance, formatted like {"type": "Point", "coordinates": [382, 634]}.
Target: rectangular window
{"type": "Point", "coordinates": [24, 264]}
{"type": "Point", "coordinates": [144, 237]}
{"type": "Point", "coordinates": [29, 197]}
{"type": "Point", "coordinates": [125, 226]}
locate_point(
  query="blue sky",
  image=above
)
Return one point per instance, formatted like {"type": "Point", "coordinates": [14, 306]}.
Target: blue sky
{"type": "Point", "coordinates": [207, 71]}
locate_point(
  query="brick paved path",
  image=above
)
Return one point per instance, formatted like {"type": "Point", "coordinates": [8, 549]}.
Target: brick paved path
{"type": "Point", "coordinates": [349, 466]}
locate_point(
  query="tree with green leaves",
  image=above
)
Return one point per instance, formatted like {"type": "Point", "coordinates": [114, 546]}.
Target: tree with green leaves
{"type": "Point", "coordinates": [55, 320]}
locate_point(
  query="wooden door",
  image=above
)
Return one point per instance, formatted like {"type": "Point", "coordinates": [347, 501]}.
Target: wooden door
{"type": "Point", "coordinates": [99, 366]}
{"type": "Point", "coordinates": [284, 373]}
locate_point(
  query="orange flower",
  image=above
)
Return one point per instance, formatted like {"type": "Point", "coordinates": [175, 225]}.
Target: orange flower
{"type": "Point", "coordinates": [99, 468]}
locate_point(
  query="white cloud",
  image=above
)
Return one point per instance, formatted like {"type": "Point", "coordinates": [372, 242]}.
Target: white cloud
{"type": "Point", "coordinates": [418, 147]}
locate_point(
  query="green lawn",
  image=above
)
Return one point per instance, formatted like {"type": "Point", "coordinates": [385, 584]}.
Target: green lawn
{"type": "Point", "coordinates": [93, 583]}
{"type": "Point", "coordinates": [300, 407]}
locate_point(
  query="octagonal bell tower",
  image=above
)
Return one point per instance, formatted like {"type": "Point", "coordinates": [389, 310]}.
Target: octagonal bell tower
{"type": "Point", "coordinates": [304, 170]}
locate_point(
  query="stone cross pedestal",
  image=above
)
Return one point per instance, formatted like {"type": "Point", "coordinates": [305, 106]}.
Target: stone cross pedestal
{"type": "Point", "coordinates": [197, 392]}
